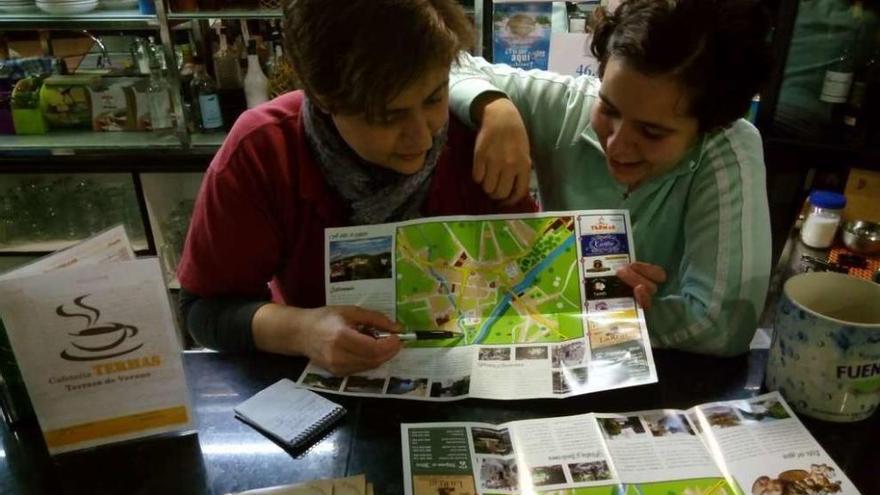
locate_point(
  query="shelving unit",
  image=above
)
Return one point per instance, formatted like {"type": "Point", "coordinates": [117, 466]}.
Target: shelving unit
{"type": "Point", "coordinates": [68, 142]}
{"type": "Point", "coordinates": [226, 14]}
{"type": "Point", "coordinates": [103, 19]}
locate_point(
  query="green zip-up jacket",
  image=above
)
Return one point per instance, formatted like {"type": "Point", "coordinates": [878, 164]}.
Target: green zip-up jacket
{"type": "Point", "coordinates": [706, 222]}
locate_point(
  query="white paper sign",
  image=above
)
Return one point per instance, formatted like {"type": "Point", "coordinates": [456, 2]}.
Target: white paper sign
{"type": "Point", "coordinates": [570, 55]}
{"type": "Point", "coordinates": [97, 350]}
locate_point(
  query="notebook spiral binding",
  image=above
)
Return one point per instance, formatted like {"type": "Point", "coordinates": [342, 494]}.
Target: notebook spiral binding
{"type": "Point", "coordinates": [318, 427]}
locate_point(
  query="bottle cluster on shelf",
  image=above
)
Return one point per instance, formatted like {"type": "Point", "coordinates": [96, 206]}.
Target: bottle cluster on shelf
{"type": "Point", "coordinates": [247, 67]}
{"type": "Point", "coordinates": [830, 91]}
{"type": "Point", "coordinates": [40, 94]}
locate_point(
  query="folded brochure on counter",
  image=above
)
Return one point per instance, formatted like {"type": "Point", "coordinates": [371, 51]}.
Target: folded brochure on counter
{"type": "Point", "coordinates": [532, 299]}
{"type": "Point", "coordinates": [755, 446]}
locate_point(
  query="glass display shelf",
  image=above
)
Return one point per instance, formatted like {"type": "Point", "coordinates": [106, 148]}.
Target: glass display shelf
{"type": "Point", "coordinates": [90, 141]}
{"type": "Point", "coordinates": [209, 141]}
{"type": "Point", "coordinates": [52, 245]}
{"type": "Point", "coordinates": [228, 14]}
{"type": "Point", "coordinates": [98, 19]}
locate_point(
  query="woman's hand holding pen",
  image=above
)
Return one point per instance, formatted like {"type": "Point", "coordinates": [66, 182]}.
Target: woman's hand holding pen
{"type": "Point", "coordinates": [644, 279]}
{"type": "Point", "coordinates": [328, 335]}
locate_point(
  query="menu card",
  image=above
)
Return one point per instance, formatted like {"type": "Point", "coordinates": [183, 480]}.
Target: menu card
{"type": "Point", "coordinates": [94, 337]}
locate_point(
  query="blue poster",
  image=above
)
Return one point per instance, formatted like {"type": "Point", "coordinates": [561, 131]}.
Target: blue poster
{"type": "Point", "coordinates": [521, 34]}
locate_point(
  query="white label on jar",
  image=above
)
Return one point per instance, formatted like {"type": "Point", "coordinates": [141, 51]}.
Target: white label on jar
{"type": "Point", "coordinates": [209, 106]}
{"type": "Point", "coordinates": [818, 231]}
{"type": "Point", "coordinates": [835, 88]}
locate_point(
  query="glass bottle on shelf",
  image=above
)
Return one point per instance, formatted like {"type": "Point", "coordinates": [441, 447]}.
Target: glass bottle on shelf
{"type": "Point", "coordinates": [206, 100]}
{"type": "Point", "coordinates": [854, 110]}
{"type": "Point", "coordinates": [256, 84]}
{"type": "Point", "coordinates": [282, 77]}
{"type": "Point", "coordinates": [185, 68]}
{"type": "Point", "coordinates": [141, 55]}
{"type": "Point", "coordinates": [275, 48]}
{"type": "Point", "coordinates": [226, 65]}
{"type": "Point", "coordinates": [156, 53]}
{"type": "Point", "coordinates": [838, 78]}
{"type": "Point", "coordinates": [159, 96]}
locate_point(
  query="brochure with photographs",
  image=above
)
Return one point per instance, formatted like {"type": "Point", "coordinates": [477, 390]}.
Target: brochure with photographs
{"type": "Point", "coordinates": [753, 446]}
{"type": "Point", "coordinates": [532, 300]}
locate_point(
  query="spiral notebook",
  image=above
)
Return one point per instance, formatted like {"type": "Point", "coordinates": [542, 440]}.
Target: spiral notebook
{"type": "Point", "coordinates": [293, 416]}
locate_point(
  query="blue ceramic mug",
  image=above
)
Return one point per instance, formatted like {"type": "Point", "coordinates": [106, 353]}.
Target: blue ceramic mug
{"type": "Point", "coordinates": [825, 355]}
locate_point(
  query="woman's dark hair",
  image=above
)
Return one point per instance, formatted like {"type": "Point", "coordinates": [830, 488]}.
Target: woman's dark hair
{"type": "Point", "coordinates": [354, 56]}
{"type": "Point", "coordinates": [718, 49]}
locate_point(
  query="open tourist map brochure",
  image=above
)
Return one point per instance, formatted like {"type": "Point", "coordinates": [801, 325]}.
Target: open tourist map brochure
{"type": "Point", "coordinates": [533, 299]}
{"type": "Point", "coordinates": [752, 446]}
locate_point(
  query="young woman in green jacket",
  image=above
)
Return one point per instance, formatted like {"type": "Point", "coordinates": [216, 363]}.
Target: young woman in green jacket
{"type": "Point", "coordinates": [659, 133]}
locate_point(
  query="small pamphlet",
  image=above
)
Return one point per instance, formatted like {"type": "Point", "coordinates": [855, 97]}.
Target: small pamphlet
{"type": "Point", "coordinates": [521, 34]}
{"type": "Point", "coordinates": [754, 445]}
{"type": "Point", "coordinates": [353, 485]}
{"type": "Point", "coordinates": [291, 415]}
{"type": "Point", "coordinates": [532, 300]}
{"type": "Point", "coordinates": [93, 335]}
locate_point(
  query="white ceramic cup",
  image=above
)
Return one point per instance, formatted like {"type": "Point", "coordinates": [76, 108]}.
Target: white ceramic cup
{"type": "Point", "coordinates": [825, 355]}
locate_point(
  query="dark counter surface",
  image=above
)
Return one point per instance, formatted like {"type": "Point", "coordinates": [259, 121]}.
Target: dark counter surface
{"type": "Point", "coordinates": [225, 455]}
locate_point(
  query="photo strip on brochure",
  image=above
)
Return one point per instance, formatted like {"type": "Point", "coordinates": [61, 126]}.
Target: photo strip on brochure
{"type": "Point", "coordinates": [532, 300]}
{"type": "Point", "coordinates": [755, 445]}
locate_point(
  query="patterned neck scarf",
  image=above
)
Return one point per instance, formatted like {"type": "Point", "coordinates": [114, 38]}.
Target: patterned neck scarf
{"type": "Point", "coordinates": [374, 193]}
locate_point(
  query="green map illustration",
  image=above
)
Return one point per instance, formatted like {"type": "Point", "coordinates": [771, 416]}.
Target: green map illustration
{"type": "Point", "coordinates": [511, 281]}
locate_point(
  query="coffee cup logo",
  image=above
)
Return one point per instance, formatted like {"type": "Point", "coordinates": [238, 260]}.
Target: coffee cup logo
{"type": "Point", "coordinates": [96, 341]}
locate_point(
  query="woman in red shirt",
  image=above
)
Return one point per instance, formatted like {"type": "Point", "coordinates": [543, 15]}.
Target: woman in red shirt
{"type": "Point", "coordinates": [369, 140]}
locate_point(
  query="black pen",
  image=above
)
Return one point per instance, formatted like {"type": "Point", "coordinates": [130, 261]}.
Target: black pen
{"type": "Point", "coordinates": [421, 335]}
{"type": "Point", "coordinates": [413, 335]}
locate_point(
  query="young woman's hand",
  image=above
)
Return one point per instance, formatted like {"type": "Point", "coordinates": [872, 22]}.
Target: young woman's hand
{"type": "Point", "coordinates": [327, 335]}
{"type": "Point", "coordinates": [502, 162]}
{"type": "Point", "coordinates": [644, 279]}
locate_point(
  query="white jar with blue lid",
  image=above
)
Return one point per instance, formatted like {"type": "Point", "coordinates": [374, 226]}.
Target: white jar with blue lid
{"type": "Point", "coordinates": [822, 221]}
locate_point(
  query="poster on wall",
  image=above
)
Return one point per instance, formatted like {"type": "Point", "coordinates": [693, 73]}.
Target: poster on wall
{"type": "Point", "coordinates": [521, 34]}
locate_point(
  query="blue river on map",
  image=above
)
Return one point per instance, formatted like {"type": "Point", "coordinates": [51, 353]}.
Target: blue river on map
{"type": "Point", "coordinates": [526, 282]}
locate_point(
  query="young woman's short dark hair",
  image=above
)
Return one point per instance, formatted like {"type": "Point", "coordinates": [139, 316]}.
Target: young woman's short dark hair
{"type": "Point", "coordinates": [718, 49]}
{"type": "Point", "coordinates": [354, 56]}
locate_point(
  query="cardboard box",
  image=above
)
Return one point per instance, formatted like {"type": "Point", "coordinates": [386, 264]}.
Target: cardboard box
{"type": "Point", "coordinates": [862, 195]}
